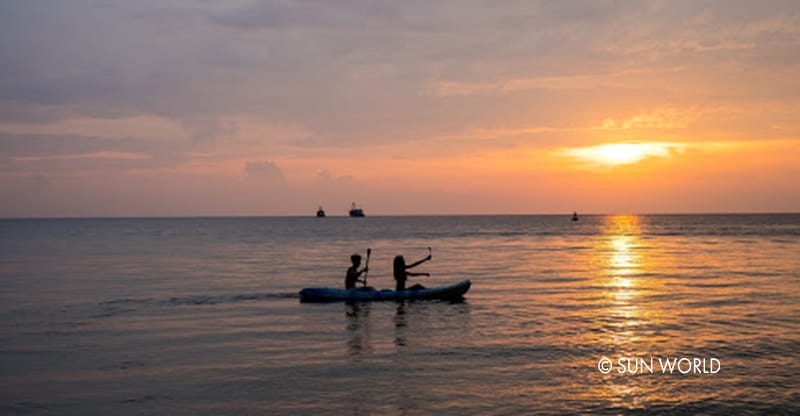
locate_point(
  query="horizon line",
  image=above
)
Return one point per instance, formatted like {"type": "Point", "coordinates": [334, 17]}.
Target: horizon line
{"type": "Point", "coordinates": [595, 214]}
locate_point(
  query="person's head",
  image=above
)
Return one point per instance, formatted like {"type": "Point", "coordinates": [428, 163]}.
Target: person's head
{"type": "Point", "coordinates": [356, 259]}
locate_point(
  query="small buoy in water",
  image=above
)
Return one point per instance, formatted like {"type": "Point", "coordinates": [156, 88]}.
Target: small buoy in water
{"type": "Point", "coordinates": [575, 216]}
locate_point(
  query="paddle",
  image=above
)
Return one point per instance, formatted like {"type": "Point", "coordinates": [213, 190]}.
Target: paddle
{"type": "Point", "coordinates": [430, 257]}
{"type": "Point", "coordinates": [366, 267]}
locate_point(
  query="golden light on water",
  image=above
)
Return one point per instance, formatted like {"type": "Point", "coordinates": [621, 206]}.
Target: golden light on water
{"type": "Point", "coordinates": [621, 312]}
{"type": "Point", "coordinates": [622, 248]}
{"type": "Point", "coordinates": [621, 262]}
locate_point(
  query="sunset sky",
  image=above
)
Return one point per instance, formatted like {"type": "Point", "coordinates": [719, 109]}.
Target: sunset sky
{"type": "Point", "coordinates": [187, 108]}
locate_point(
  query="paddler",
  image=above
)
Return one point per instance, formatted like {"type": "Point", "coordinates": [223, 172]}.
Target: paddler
{"type": "Point", "coordinates": [401, 272]}
{"type": "Point", "coordinates": [353, 273]}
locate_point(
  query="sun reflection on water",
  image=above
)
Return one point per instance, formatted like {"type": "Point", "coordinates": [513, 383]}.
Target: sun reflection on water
{"type": "Point", "coordinates": [622, 261]}
{"type": "Point", "coordinates": [624, 317]}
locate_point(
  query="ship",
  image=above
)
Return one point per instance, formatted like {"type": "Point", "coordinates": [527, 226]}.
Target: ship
{"type": "Point", "coordinates": [575, 216]}
{"type": "Point", "coordinates": [355, 211]}
{"type": "Point", "coordinates": [320, 212]}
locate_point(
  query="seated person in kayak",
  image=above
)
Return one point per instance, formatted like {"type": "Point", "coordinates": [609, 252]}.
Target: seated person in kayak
{"type": "Point", "coordinates": [353, 273]}
{"type": "Point", "coordinates": [401, 273]}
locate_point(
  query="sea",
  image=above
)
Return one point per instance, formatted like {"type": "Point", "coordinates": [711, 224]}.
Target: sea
{"type": "Point", "coordinates": [201, 316]}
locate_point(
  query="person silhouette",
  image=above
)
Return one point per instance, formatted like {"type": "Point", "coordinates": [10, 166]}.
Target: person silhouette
{"type": "Point", "coordinates": [353, 273]}
{"type": "Point", "coordinates": [401, 273]}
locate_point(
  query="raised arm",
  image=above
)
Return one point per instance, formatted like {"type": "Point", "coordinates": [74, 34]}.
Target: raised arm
{"type": "Point", "coordinates": [419, 262]}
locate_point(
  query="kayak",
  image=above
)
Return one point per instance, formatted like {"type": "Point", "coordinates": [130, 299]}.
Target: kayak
{"type": "Point", "coordinates": [326, 294]}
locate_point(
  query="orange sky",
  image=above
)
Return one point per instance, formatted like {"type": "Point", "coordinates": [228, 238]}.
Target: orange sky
{"type": "Point", "coordinates": [274, 108]}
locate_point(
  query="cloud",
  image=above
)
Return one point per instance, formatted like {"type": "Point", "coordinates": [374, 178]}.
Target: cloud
{"type": "Point", "coordinates": [79, 155]}
{"type": "Point", "coordinates": [323, 66]}
{"type": "Point", "coordinates": [209, 128]}
{"type": "Point", "coordinates": [266, 173]}
{"type": "Point", "coordinates": [666, 117]}
{"type": "Point", "coordinates": [274, 15]}
{"type": "Point", "coordinates": [327, 182]}
{"type": "Point", "coordinates": [142, 126]}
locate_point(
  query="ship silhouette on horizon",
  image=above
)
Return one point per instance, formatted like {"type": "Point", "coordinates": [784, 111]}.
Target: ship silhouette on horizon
{"type": "Point", "coordinates": [355, 211]}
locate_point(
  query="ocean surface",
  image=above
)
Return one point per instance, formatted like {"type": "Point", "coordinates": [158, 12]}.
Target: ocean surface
{"type": "Point", "coordinates": [200, 316]}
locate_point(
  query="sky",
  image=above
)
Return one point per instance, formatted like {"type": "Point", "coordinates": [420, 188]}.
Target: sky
{"type": "Point", "coordinates": [204, 108]}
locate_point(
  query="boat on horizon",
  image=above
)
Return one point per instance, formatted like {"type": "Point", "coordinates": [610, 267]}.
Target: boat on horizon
{"type": "Point", "coordinates": [320, 212]}
{"type": "Point", "coordinates": [575, 216]}
{"type": "Point", "coordinates": [355, 211]}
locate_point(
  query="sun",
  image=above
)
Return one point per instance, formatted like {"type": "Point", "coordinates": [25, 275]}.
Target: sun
{"type": "Point", "coordinates": [622, 153]}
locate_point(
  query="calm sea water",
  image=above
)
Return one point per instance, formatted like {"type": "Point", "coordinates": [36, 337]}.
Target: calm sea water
{"type": "Point", "coordinates": [201, 316]}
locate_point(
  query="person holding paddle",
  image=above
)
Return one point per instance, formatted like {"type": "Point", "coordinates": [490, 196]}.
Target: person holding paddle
{"type": "Point", "coordinates": [353, 273]}
{"type": "Point", "coordinates": [401, 272]}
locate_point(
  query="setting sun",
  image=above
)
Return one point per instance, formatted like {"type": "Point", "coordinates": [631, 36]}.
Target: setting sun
{"type": "Point", "coordinates": [623, 153]}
